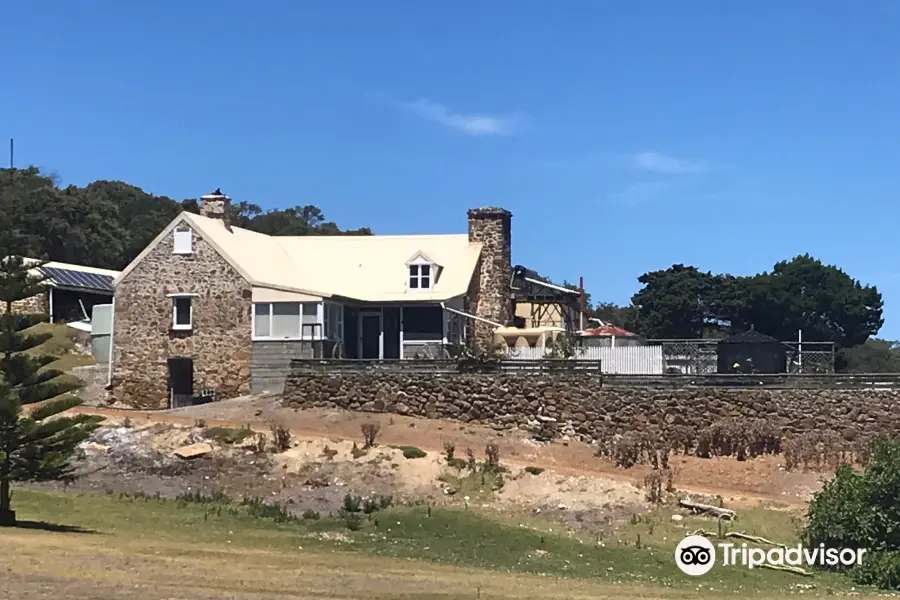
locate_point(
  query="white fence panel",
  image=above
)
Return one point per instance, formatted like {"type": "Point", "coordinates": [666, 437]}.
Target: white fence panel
{"type": "Point", "coordinates": [624, 360]}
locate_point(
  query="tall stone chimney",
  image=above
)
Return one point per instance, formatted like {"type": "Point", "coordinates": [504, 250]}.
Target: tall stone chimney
{"type": "Point", "coordinates": [490, 296]}
{"type": "Point", "coordinates": [214, 205]}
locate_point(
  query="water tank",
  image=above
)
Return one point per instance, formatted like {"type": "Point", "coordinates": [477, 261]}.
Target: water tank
{"type": "Point", "coordinates": [101, 331]}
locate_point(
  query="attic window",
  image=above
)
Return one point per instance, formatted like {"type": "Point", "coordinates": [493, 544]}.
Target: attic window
{"type": "Point", "coordinates": [184, 241]}
{"type": "Point", "coordinates": [420, 277]}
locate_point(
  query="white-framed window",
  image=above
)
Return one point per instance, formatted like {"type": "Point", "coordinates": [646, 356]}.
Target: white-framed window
{"type": "Point", "coordinates": [182, 312]}
{"type": "Point", "coordinates": [420, 277]}
{"type": "Point", "coordinates": [334, 322]}
{"type": "Point", "coordinates": [184, 240]}
{"type": "Point", "coordinates": [286, 321]}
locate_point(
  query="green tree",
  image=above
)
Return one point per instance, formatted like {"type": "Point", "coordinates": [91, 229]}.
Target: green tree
{"type": "Point", "coordinates": [679, 302]}
{"type": "Point", "coordinates": [821, 300]}
{"type": "Point", "coordinates": [874, 356]}
{"type": "Point", "coordinates": [800, 294]}
{"type": "Point", "coordinates": [108, 223]}
{"type": "Point", "coordinates": [35, 445]}
{"type": "Point", "coordinates": [609, 312]}
{"type": "Point", "coordinates": [860, 510]}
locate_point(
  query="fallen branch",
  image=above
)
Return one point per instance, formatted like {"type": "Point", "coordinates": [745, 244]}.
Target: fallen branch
{"type": "Point", "coordinates": [759, 540]}
{"type": "Point", "coordinates": [721, 513]}
{"type": "Point", "coordinates": [788, 569]}
{"type": "Point", "coordinates": [739, 535]}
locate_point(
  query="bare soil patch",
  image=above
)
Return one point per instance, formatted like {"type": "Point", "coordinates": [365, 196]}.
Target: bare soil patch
{"type": "Point", "coordinates": [739, 483]}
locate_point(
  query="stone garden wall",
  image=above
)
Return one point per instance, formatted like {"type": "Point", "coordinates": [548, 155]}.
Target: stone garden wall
{"type": "Point", "coordinates": [577, 404]}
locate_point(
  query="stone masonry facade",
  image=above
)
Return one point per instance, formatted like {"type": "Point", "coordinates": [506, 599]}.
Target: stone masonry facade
{"type": "Point", "coordinates": [489, 293]}
{"type": "Point", "coordinates": [34, 305]}
{"type": "Point", "coordinates": [219, 341]}
{"type": "Point", "coordinates": [577, 404]}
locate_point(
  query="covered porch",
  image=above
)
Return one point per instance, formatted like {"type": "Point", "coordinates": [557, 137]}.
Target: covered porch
{"type": "Point", "coordinates": [395, 331]}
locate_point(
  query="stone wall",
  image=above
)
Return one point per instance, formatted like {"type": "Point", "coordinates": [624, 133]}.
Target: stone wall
{"type": "Point", "coordinates": [272, 361]}
{"type": "Point", "coordinates": [219, 342]}
{"type": "Point", "coordinates": [94, 378]}
{"type": "Point", "coordinates": [38, 304]}
{"type": "Point", "coordinates": [489, 298]}
{"type": "Point", "coordinates": [577, 404]}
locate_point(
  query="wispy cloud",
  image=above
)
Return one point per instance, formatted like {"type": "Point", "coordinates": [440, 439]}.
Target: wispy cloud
{"type": "Point", "coordinates": [656, 162]}
{"type": "Point", "coordinates": [640, 192]}
{"type": "Point", "coordinates": [473, 124]}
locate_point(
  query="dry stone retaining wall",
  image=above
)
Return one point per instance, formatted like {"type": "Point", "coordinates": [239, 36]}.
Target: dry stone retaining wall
{"type": "Point", "coordinates": [576, 404]}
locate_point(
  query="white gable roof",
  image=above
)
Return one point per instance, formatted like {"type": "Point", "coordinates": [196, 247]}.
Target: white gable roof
{"type": "Point", "coordinates": [365, 268]}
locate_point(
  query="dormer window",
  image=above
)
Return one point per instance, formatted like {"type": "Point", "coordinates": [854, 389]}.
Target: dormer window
{"type": "Point", "coordinates": [419, 277]}
{"type": "Point", "coordinates": [422, 272]}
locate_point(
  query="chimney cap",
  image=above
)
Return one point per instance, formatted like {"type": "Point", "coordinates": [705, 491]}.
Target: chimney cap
{"type": "Point", "coordinates": [488, 212]}
{"type": "Point", "coordinates": [216, 195]}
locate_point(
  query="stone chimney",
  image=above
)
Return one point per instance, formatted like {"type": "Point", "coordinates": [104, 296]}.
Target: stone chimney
{"type": "Point", "coordinates": [490, 296]}
{"type": "Point", "coordinates": [214, 205]}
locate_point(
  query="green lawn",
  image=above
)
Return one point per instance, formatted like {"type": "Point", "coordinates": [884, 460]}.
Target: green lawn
{"type": "Point", "coordinates": [458, 537]}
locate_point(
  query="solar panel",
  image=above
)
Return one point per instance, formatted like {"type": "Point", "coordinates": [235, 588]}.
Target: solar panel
{"type": "Point", "coordinates": [79, 279]}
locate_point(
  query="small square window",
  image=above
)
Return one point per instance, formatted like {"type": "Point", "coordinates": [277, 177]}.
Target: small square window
{"type": "Point", "coordinates": [182, 312]}
{"type": "Point", "coordinates": [184, 241]}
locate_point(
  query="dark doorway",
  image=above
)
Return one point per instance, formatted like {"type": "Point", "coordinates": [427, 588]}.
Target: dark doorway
{"type": "Point", "coordinates": [181, 381]}
{"type": "Point", "coordinates": [371, 335]}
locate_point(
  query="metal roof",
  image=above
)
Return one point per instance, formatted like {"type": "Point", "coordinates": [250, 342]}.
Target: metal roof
{"type": "Point", "coordinates": [79, 279]}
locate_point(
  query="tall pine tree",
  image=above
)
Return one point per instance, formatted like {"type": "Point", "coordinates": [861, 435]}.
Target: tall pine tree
{"type": "Point", "coordinates": [35, 445]}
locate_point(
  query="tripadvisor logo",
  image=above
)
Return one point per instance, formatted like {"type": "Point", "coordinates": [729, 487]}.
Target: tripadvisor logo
{"type": "Point", "coordinates": [696, 555]}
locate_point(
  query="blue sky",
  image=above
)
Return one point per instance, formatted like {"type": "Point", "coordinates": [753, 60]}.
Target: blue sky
{"type": "Point", "coordinates": [624, 136]}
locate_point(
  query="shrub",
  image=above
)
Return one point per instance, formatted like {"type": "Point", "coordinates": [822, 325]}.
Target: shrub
{"type": "Point", "coordinates": [654, 486]}
{"type": "Point", "coordinates": [352, 504]}
{"type": "Point", "coordinates": [739, 439]}
{"type": "Point", "coordinates": [624, 450]}
{"type": "Point", "coordinates": [281, 437]}
{"type": "Point", "coordinates": [369, 432]}
{"type": "Point", "coordinates": [470, 459]}
{"type": "Point", "coordinates": [259, 443]}
{"type": "Point", "coordinates": [534, 470]}
{"type": "Point", "coordinates": [197, 497]}
{"type": "Point", "coordinates": [457, 463]}
{"type": "Point", "coordinates": [228, 435]}
{"type": "Point", "coordinates": [310, 515]}
{"type": "Point", "coordinates": [821, 449]}
{"type": "Point", "coordinates": [860, 510]}
{"type": "Point", "coordinates": [412, 452]}
{"type": "Point", "coordinates": [263, 510]}
{"type": "Point", "coordinates": [370, 505]}
{"type": "Point", "coordinates": [353, 521]}
{"type": "Point", "coordinates": [449, 451]}
{"type": "Point", "coordinates": [492, 457]}
{"type": "Point", "coordinates": [357, 452]}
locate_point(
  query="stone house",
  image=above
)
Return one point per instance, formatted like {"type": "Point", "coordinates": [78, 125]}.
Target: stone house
{"type": "Point", "coordinates": [209, 305]}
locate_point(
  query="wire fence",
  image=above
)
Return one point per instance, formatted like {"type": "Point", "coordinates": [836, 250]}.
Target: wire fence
{"type": "Point", "coordinates": [689, 357]}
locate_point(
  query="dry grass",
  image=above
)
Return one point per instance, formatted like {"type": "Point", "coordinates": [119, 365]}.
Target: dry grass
{"type": "Point", "coordinates": [150, 549]}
